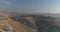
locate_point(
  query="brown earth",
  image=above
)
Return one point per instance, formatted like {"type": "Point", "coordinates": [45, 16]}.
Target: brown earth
{"type": "Point", "coordinates": [17, 27]}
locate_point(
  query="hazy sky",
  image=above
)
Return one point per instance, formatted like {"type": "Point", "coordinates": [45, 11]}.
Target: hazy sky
{"type": "Point", "coordinates": [35, 6]}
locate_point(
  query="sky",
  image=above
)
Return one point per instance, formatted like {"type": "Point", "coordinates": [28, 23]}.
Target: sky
{"type": "Point", "coordinates": [30, 6]}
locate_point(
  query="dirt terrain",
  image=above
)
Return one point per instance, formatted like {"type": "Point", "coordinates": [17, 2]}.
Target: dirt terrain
{"type": "Point", "coordinates": [16, 26]}
{"type": "Point", "coordinates": [27, 24]}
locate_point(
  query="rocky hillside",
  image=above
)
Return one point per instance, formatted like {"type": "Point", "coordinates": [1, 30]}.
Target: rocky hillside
{"type": "Point", "coordinates": [28, 23]}
{"type": "Point", "coordinates": [9, 25]}
{"type": "Point", "coordinates": [39, 22]}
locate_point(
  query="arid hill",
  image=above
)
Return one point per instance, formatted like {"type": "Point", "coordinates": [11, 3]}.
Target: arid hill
{"type": "Point", "coordinates": [5, 20]}
{"type": "Point", "coordinates": [39, 22]}
{"type": "Point", "coordinates": [28, 23]}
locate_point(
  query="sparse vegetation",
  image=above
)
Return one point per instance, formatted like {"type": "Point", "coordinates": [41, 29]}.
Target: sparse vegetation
{"type": "Point", "coordinates": [24, 21]}
{"type": "Point", "coordinates": [43, 23]}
